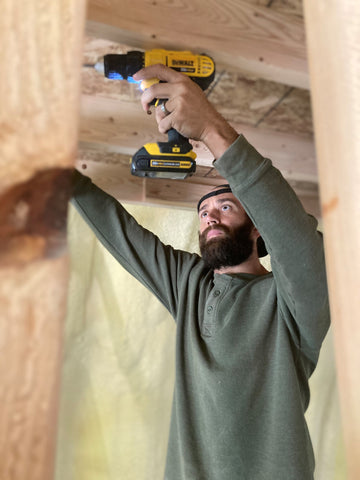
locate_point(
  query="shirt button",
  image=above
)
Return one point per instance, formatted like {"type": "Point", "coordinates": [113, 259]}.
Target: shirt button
{"type": "Point", "coordinates": [217, 293]}
{"type": "Point", "coordinates": [209, 309]}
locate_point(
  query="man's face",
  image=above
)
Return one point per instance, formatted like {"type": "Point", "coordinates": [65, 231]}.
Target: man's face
{"type": "Point", "coordinates": [226, 234]}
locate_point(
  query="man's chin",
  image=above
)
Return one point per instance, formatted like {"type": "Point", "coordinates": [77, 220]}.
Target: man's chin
{"type": "Point", "coordinates": [214, 240]}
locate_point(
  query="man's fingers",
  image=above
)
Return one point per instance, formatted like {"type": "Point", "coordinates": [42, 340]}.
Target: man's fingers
{"type": "Point", "coordinates": [156, 91]}
{"type": "Point", "coordinates": [162, 90]}
{"type": "Point", "coordinates": [188, 107]}
{"type": "Point", "coordinates": [163, 120]}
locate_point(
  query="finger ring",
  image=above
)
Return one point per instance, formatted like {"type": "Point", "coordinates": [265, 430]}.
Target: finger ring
{"type": "Point", "coordinates": [164, 109]}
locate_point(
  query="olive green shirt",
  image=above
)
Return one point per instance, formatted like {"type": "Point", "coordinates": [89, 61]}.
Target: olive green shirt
{"type": "Point", "coordinates": [246, 345]}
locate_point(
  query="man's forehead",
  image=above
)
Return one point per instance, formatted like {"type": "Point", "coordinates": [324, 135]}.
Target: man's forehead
{"type": "Point", "coordinates": [220, 189]}
{"type": "Point", "coordinates": [219, 200]}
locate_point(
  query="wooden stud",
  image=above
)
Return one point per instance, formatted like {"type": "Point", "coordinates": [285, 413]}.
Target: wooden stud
{"type": "Point", "coordinates": [334, 60]}
{"type": "Point", "coordinates": [39, 96]}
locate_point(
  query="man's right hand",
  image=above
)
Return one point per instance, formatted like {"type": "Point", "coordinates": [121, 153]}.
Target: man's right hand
{"type": "Point", "coordinates": [190, 112]}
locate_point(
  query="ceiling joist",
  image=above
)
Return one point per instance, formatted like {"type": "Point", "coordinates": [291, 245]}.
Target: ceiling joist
{"type": "Point", "coordinates": [260, 88]}
{"type": "Point", "coordinates": [258, 40]}
{"type": "Point", "coordinates": [110, 170]}
{"type": "Point", "coordinates": [123, 127]}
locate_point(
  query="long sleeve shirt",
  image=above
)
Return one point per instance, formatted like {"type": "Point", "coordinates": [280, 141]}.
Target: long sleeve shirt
{"type": "Point", "coordinates": [246, 345]}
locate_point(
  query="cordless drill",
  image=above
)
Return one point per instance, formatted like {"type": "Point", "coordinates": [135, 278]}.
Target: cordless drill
{"type": "Point", "coordinates": [175, 158]}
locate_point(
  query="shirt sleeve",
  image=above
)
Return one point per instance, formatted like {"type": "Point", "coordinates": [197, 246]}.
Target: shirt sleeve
{"type": "Point", "coordinates": [291, 238]}
{"type": "Point", "coordinates": [157, 266]}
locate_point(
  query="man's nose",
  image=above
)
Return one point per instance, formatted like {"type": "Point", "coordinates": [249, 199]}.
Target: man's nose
{"type": "Point", "coordinates": [212, 218]}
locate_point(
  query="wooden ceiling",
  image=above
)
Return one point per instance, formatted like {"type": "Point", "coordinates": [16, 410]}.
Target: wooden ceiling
{"type": "Point", "coordinates": [261, 88]}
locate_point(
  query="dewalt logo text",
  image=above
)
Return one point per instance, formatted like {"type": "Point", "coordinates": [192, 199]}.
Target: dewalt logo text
{"type": "Point", "coordinates": [182, 63]}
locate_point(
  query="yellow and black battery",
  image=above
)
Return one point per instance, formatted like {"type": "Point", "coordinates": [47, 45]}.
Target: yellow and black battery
{"type": "Point", "coordinates": [174, 159]}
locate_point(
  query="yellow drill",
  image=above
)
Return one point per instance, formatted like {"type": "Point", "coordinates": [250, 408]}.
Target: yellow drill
{"type": "Point", "coordinates": [175, 158]}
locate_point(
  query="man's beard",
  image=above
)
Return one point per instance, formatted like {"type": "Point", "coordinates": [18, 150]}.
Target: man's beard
{"type": "Point", "coordinates": [229, 249]}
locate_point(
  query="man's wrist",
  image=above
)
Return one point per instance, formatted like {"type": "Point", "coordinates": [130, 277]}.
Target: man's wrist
{"type": "Point", "coordinates": [219, 137]}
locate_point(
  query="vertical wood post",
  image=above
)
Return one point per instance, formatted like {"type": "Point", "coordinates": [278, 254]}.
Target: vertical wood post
{"type": "Point", "coordinates": [333, 37]}
{"type": "Point", "coordinates": [40, 58]}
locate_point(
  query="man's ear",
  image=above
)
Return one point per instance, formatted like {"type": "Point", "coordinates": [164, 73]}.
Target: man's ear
{"type": "Point", "coordinates": [256, 233]}
{"type": "Point", "coordinates": [261, 247]}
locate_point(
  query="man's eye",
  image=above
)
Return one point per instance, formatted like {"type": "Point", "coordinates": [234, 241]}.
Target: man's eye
{"type": "Point", "coordinates": [225, 208]}
{"type": "Point", "coordinates": [203, 215]}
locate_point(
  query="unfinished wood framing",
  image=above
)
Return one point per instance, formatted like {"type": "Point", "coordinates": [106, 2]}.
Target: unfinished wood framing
{"type": "Point", "coordinates": [239, 34]}
{"type": "Point", "coordinates": [110, 170]}
{"type": "Point", "coordinates": [39, 98]}
{"type": "Point", "coordinates": [40, 107]}
{"type": "Point", "coordinates": [274, 117]}
{"type": "Point", "coordinates": [123, 127]}
{"type": "Point", "coordinates": [333, 32]}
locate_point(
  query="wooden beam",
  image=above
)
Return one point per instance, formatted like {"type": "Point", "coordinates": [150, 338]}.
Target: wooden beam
{"type": "Point", "coordinates": [334, 58]}
{"type": "Point", "coordinates": [111, 172]}
{"type": "Point", "coordinates": [39, 98]}
{"type": "Point", "coordinates": [123, 127]}
{"type": "Point", "coordinates": [255, 39]}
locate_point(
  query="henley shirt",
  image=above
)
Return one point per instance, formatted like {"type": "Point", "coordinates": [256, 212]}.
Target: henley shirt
{"type": "Point", "coordinates": [246, 345]}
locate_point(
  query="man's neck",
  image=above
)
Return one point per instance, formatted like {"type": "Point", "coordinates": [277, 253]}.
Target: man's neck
{"type": "Point", "coordinates": [252, 266]}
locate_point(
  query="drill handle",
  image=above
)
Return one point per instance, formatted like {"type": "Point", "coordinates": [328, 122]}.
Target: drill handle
{"type": "Point", "coordinates": [175, 137]}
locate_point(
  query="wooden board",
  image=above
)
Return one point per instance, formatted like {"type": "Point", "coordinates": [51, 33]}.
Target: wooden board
{"type": "Point", "coordinates": [256, 39]}
{"type": "Point", "coordinates": [39, 98]}
{"type": "Point", "coordinates": [334, 55]}
{"type": "Point", "coordinates": [111, 172]}
{"type": "Point", "coordinates": [123, 127]}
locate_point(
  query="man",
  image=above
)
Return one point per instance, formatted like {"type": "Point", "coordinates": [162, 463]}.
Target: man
{"type": "Point", "coordinates": [247, 340]}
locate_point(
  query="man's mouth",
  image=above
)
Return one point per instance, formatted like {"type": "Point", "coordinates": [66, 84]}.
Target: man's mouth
{"type": "Point", "coordinates": [214, 232]}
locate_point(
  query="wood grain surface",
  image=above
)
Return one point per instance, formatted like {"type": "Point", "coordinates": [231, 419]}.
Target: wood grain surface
{"type": "Point", "coordinates": [237, 33]}
{"type": "Point", "coordinates": [334, 58]}
{"type": "Point", "coordinates": [39, 96]}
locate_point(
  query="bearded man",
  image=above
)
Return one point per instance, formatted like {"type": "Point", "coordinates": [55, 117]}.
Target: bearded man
{"type": "Point", "coordinates": [247, 339]}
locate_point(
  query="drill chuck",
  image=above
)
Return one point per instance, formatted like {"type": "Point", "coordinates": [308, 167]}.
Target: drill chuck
{"type": "Point", "coordinates": [123, 67]}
